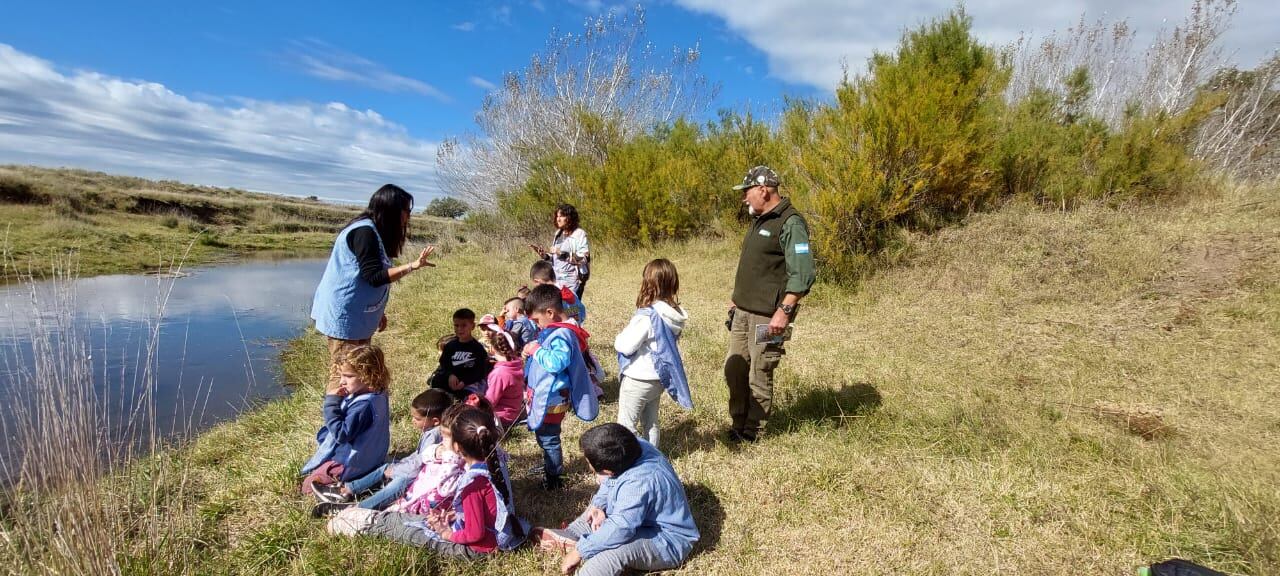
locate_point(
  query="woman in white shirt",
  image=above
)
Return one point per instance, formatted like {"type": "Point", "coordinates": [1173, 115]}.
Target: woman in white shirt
{"type": "Point", "coordinates": [569, 254]}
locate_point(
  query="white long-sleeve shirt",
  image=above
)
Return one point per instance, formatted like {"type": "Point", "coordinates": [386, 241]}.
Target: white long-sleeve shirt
{"type": "Point", "coordinates": [636, 341]}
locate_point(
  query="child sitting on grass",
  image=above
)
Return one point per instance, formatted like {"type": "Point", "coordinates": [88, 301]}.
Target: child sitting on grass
{"type": "Point", "coordinates": [639, 519]}
{"type": "Point", "coordinates": [427, 410]}
{"type": "Point", "coordinates": [463, 361]}
{"type": "Point", "coordinates": [437, 479]}
{"type": "Point", "coordinates": [648, 356]}
{"type": "Point", "coordinates": [357, 421]}
{"type": "Point", "coordinates": [556, 372]}
{"type": "Point", "coordinates": [479, 520]}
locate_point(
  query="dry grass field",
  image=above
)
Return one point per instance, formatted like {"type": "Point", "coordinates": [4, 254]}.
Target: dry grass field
{"type": "Point", "coordinates": [1032, 392]}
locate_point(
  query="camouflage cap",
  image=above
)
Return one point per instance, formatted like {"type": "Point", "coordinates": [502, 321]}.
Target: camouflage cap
{"type": "Point", "coordinates": [759, 176]}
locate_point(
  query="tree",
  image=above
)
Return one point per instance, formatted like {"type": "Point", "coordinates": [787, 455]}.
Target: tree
{"type": "Point", "coordinates": [606, 76]}
{"type": "Point", "coordinates": [447, 207]}
{"type": "Point", "coordinates": [902, 147]}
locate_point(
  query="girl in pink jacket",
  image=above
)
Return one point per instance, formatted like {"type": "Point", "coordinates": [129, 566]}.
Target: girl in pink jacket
{"type": "Point", "coordinates": [506, 380]}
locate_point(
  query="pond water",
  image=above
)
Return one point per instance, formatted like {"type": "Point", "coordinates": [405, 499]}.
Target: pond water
{"type": "Point", "coordinates": [216, 341]}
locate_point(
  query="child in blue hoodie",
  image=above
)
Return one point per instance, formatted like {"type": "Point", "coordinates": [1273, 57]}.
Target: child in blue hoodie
{"type": "Point", "coordinates": [391, 480]}
{"type": "Point", "coordinates": [555, 370]}
{"type": "Point", "coordinates": [357, 421]}
{"type": "Point", "coordinates": [639, 519]}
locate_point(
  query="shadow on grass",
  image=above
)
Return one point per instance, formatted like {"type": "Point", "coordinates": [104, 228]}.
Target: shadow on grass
{"type": "Point", "coordinates": [687, 437]}
{"type": "Point", "coordinates": [708, 514]}
{"type": "Point", "coordinates": [826, 406]}
{"type": "Point", "coordinates": [611, 387]}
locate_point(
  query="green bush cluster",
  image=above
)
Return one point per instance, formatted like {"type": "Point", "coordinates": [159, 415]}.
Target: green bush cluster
{"type": "Point", "coordinates": [1052, 153]}
{"type": "Point", "coordinates": [672, 182]}
{"type": "Point", "coordinates": [925, 137]}
{"type": "Point", "coordinates": [447, 207]}
{"type": "Point", "coordinates": [905, 146]}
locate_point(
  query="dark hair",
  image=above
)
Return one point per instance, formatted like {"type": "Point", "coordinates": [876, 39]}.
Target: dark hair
{"type": "Point", "coordinates": [385, 207]}
{"type": "Point", "coordinates": [464, 314]}
{"type": "Point", "coordinates": [610, 447]}
{"type": "Point", "coordinates": [542, 271]}
{"type": "Point", "coordinates": [514, 299]}
{"type": "Point", "coordinates": [571, 215]}
{"type": "Point", "coordinates": [543, 296]}
{"type": "Point", "coordinates": [477, 437]}
{"type": "Point", "coordinates": [432, 403]}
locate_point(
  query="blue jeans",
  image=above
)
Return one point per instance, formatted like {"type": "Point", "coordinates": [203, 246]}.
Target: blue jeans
{"type": "Point", "coordinates": [548, 436]}
{"type": "Point", "coordinates": [388, 493]}
{"type": "Point", "coordinates": [393, 490]}
{"type": "Point", "coordinates": [368, 481]}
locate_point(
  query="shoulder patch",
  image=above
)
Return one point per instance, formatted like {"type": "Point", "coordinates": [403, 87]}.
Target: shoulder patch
{"type": "Point", "coordinates": [802, 248]}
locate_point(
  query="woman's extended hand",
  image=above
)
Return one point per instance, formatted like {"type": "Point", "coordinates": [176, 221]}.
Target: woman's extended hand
{"type": "Point", "coordinates": [422, 258]}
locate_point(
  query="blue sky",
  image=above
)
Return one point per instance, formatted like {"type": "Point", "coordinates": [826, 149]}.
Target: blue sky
{"type": "Point", "coordinates": [333, 98]}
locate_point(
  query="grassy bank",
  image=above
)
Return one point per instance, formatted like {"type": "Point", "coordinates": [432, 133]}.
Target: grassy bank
{"type": "Point", "coordinates": [962, 414]}
{"type": "Point", "coordinates": [119, 224]}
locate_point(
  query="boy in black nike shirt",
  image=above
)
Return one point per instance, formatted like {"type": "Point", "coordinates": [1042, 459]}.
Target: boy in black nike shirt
{"type": "Point", "coordinates": [464, 364]}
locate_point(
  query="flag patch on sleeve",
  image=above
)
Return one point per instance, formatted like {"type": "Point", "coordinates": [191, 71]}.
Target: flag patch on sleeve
{"type": "Point", "coordinates": [802, 248]}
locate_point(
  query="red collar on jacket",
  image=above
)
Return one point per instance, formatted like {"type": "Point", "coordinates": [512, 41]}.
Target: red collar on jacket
{"type": "Point", "coordinates": [577, 330]}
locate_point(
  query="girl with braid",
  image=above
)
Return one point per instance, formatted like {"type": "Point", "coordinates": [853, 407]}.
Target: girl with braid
{"type": "Point", "coordinates": [480, 519]}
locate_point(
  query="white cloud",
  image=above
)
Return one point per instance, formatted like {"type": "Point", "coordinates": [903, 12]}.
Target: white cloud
{"type": "Point", "coordinates": [481, 83]}
{"type": "Point", "coordinates": [90, 120]}
{"type": "Point", "coordinates": [806, 41]}
{"type": "Point", "coordinates": [464, 26]}
{"type": "Point", "coordinates": [319, 59]}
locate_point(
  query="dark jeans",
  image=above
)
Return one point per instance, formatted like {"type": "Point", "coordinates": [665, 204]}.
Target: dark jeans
{"type": "Point", "coordinates": [548, 436]}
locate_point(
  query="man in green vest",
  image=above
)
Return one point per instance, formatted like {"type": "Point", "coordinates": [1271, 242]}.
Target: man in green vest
{"type": "Point", "coordinates": [775, 271]}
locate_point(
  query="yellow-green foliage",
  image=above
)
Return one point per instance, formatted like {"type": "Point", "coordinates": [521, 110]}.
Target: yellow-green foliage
{"type": "Point", "coordinates": [922, 139]}
{"type": "Point", "coordinates": [673, 182]}
{"type": "Point", "coordinates": [1053, 153]}
{"type": "Point", "coordinates": [905, 145]}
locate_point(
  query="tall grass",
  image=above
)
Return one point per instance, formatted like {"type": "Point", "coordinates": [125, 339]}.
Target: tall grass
{"type": "Point", "coordinates": [89, 488]}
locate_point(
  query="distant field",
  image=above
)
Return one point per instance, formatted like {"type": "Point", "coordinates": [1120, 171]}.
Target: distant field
{"type": "Point", "coordinates": [1031, 393]}
{"type": "Point", "coordinates": [118, 224]}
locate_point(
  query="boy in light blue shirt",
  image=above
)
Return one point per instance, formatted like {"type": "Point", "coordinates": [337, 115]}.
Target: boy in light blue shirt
{"type": "Point", "coordinates": [639, 519]}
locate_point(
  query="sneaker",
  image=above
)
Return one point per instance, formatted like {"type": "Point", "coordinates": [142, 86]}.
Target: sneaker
{"type": "Point", "coordinates": [331, 493]}
{"type": "Point", "coordinates": [736, 437]}
{"type": "Point", "coordinates": [327, 509]}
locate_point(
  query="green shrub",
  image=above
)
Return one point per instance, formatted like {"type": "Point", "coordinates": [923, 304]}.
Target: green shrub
{"type": "Point", "coordinates": [447, 207]}
{"type": "Point", "coordinates": [672, 182]}
{"type": "Point", "coordinates": [906, 146]}
{"type": "Point", "coordinates": [1052, 152]}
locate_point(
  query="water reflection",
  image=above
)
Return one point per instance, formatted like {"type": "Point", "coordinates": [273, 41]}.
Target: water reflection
{"type": "Point", "coordinates": [217, 349]}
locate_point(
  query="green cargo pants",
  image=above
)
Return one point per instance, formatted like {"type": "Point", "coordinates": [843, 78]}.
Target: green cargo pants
{"type": "Point", "coordinates": [748, 370]}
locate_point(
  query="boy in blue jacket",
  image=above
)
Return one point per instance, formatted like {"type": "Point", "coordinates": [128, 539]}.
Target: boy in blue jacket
{"type": "Point", "coordinates": [556, 375]}
{"type": "Point", "coordinates": [639, 519]}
